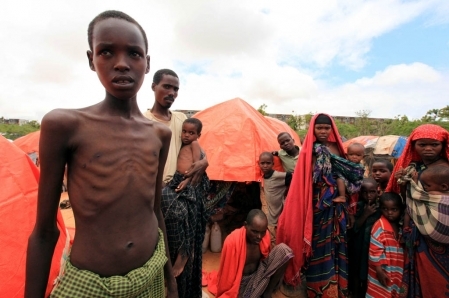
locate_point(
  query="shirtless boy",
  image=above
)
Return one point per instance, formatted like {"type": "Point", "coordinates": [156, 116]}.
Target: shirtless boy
{"type": "Point", "coordinates": [184, 213]}
{"type": "Point", "coordinates": [115, 158]}
{"type": "Point", "coordinates": [191, 151]}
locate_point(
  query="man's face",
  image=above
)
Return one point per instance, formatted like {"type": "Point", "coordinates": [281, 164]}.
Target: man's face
{"type": "Point", "coordinates": [118, 57]}
{"type": "Point", "coordinates": [322, 132]}
{"type": "Point", "coordinates": [286, 142]}
{"type": "Point", "coordinates": [189, 133]}
{"type": "Point", "coordinates": [256, 230]}
{"type": "Point", "coordinates": [166, 91]}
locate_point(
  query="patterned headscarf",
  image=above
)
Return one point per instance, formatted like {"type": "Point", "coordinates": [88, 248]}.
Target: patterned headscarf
{"type": "Point", "coordinates": [425, 131]}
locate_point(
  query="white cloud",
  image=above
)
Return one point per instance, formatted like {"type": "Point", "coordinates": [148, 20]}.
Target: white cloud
{"type": "Point", "coordinates": [263, 51]}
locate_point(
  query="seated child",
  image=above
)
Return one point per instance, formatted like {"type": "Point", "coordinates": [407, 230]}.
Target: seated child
{"type": "Point", "coordinates": [366, 215]}
{"type": "Point", "coordinates": [386, 255]}
{"type": "Point", "coordinates": [381, 172]}
{"type": "Point", "coordinates": [183, 209]}
{"type": "Point", "coordinates": [275, 185]}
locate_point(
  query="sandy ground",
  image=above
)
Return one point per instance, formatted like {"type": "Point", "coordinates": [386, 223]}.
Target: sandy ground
{"type": "Point", "coordinates": [211, 261]}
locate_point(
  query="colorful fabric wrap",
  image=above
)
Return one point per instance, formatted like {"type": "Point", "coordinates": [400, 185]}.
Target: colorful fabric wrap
{"type": "Point", "coordinates": [429, 212]}
{"type": "Point", "coordinates": [146, 281]}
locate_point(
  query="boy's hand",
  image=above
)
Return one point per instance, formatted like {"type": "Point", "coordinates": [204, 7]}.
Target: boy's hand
{"type": "Point", "coordinates": [382, 276]}
{"type": "Point", "coordinates": [182, 185]}
{"type": "Point", "coordinates": [196, 171]}
{"type": "Point", "coordinates": [274, 153]}
{"type": "Point", "coordinates": [369, 209]}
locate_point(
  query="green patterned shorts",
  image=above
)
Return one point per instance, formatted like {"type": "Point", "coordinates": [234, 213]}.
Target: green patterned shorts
{"type": "Point", "coordinates": [146, 281]}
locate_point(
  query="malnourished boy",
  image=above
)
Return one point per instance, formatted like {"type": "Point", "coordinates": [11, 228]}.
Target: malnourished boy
{"type": "Point", "coordinates": [115, 159]}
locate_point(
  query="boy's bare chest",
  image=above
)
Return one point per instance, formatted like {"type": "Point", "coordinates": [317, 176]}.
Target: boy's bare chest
{"type": "Point", "coordinates": [115, 146]}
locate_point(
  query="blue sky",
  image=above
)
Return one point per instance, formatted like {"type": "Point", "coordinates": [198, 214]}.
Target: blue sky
{"type": "Point", "coordinates": [389, 57]}
{"type": "Point", "coordinates": [412, 42]}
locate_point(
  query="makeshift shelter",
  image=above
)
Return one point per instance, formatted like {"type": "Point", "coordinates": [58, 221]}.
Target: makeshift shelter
{"type": "Point", "coordinates": [364, 140]}
{"type": "Point", "coordinates": [281, 126]}
{"type": "Point", "coordinates": [29, 144]}
{"type": "Point", "coordinates": [233, 136]}
{"type": "Point", "coordinates": [18, 206]}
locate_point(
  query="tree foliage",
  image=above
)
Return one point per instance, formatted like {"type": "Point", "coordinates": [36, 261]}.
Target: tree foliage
{"type": "Point", "coordinates": [14, 131]}
{"type": "Point", "coordinates": [262, 109]}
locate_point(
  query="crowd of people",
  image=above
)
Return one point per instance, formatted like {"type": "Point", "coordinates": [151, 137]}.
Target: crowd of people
{"type": "Point", "coordinates": [137, 186]}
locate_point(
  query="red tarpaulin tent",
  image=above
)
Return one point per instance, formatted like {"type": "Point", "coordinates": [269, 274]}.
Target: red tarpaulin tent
{"type": "Point", "coordinates": [281, 126]}
{"type": "Point", "coordinates": [29, 143]}
{"type": "Point", "coordinates": [234, 134]}
{"type": "Point", "coordinates": [18, 204]}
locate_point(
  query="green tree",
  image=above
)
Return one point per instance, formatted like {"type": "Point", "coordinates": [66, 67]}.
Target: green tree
{"type": "Point", "coordinates": [262, 109]}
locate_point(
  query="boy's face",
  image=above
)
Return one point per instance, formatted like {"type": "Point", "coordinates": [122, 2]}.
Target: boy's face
{"type": "Point", "coordinates": [286, 142]}
{"type": "Point", "coordinates": [118, 57]}
{"type": "Point", "coordinates": [380, 172]}
{"type": "Point", "coordinates": [189, 133]}
{"type": "Point", "coordinates": [390, 211]}
{"type": "Point", "coordinates": [322, 132]}
{"type": "Point", "coordinates": [166, 91]}
{"type": "Point", "coordinates": [355, 154]}
{"type": "Point", "coordinates": [265, 163]}
{"type": "Point", "coordinates": [369, 192]}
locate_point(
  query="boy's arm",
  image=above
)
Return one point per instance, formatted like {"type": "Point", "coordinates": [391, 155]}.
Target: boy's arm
{"type": "Point", "coordinates": [341, 188]}
{"type": "Point", "coordinates": [56, 130]}
{"type": "Point", "coordinates": [165, 135]}
{"type": "Point", "coordinates": [198, 167]}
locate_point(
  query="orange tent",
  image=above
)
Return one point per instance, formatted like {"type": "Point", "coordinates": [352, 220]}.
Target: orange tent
{"type": "Point", "coordinates": [364, 140]}
{"type": "Point", "coordinates": [281, 126]}
{"type": "Point", "coordinates": [29, 143]}
{"type": "Point", "coordinates": [234, 134]}
{"type": "Point", "coordinates": [18, 205]}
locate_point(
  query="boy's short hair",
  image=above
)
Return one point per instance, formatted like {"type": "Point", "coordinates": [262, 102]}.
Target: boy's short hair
{"type": "Point", "coordinates": [369, 180]}
{"type": "Point", "coordinates": [266, 153]}
{"type": "Point", "coordinates": [284, 133]}
{"type": "Point", "coordinates": [439, 174]}
{"type": "Point", "coordinates": [386, 162]}
{"type": "Point", "coordinates": [392, 196]}
{"type": "Point", "coordinates": [158, 75]}
{"type": "Point", "coordinates": [198, 124]}
{"type": "Point", "coordinates": [114, 14]}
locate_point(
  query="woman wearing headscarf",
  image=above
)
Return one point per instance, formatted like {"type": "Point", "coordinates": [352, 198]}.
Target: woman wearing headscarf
{"type": "Point", "coordinates": [314, 222]}
{"type": "Point", "coordinates": [426, 271]}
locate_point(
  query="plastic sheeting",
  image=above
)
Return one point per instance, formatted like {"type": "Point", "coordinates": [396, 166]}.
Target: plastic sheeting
{"type": "Point", "coordinates": [18, 204]}
{"type": "Point", "coordinates": [281, 126]}
{"type": "Point", "coordinates": [390, 145]}
{"type": "Point", "coordinates": [29, 143]}
{"type": "Point", "coordinates": [234, 134]}
{"type": "Point", "coordinates": [364, 140]}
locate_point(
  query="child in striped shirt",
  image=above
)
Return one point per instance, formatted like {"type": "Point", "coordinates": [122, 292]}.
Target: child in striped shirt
{"type": "Point", "coordinates": [386, 255]}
